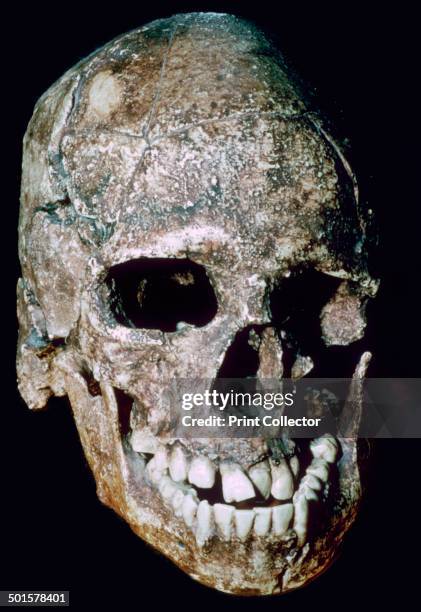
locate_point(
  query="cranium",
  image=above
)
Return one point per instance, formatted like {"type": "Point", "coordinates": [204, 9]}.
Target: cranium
{"type": "Point", "coordinates": [177, 188]}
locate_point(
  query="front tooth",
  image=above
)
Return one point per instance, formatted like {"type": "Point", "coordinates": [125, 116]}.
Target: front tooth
{"type": "Point", "coordinates": [312, 481]}
{"type": "Point", "coordinates": [202, 472]}
{"type": "Point", "coordinates": [300, 517]}
{"type": "Point", "coordinates": [143, 441]}
{"type": "Point", "coordinates": [281, 518]}
{"type": "Point", "coordinates": [282, 481]}
{"type": "Point", "coordinates": [294, 464]}
{"type": "Point", "coordinates": [243, 522]}
{"type": "Point", "coordinates": [189, 509]}
{"type": "Point", "coordinates": [325, 448]}
{"type": "Point", "coordinates": [178, 464]}
{"type": "Point", "coordinates": [262, 521]}
{"type": "Point", "coordinates": [319, 468]}
{"type": "Point", "coordinates": [261, 478]}
{"type": "Point", "coordinates": [223, 518]}
{"type": "Point", "coordinates": [204, 522]}
{"type": "Point", "coordinates": [235, 484]}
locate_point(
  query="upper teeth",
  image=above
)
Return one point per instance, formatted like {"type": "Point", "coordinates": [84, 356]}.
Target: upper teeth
{"type": "Point", "coordinates": [261, 478]}
{"type": "Point", "coordinates": [178, 464]}
{"type": "Point", "coordinates": [235, 484]}
{"type": "Point", "coordinates": [282, 480]}
{"type": "Point", "coordinates": [202, 472]}
{"type": "Point", "coordinates": [172, 471]}
{"type": "Point", "coordinates": [325, 448]}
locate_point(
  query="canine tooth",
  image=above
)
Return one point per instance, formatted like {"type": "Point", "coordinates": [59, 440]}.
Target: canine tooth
{"type": "Point", "coordinates": [235, 484]}
{"type": "Point", "coordinates": [223, 518]}
{"type": "Point", "coordinates": [142, 441]}
{"type": "Point", "coordinates": [319, 468]}
{"type": "Point", "coordinates": [261, 478]}
{"type": "Point", "coordinates": [262, 521]}
{"type": "Point", "coordinates": [300, 518]}
{"type": "Point", "coordinates": [325, 448]}
{"type": "Point", "coordinates": [294, 464]}
{"type": "Point", "coordinates": [178, 464]}
{"type": "Point", "coordinates": [167, 488]}
{"type": "Point", "coordinates": [282, 482]}
{"type": "Point", "coordinates": [312, 481]}
{"type": "Point", "coordinates": [189, 509]}
{"type": "Point", "coordinates": [243, 522]}
{"type": "Point", "coordinates": [281, 518]}
{"type": "Point", "coordinates": [204, 522]}
{"type": "Point", "coordinates": [202, 472]}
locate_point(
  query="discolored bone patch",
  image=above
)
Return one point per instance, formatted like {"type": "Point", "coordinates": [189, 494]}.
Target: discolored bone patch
{"type": "Point", "coordinates": [104, 94]}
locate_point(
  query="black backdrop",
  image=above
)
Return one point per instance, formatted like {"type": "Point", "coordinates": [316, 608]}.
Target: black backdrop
{"type": "Point", "coordinates": [54, 533]}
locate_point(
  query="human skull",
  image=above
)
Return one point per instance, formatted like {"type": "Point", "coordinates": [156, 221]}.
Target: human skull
{"type": "Point", "coordinates": [183, 160]}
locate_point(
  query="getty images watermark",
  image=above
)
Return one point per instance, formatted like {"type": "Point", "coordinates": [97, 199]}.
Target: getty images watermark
{"type": "Point", "coordinates": [305, 408]}
{"type": "Point", "coordinates": [236, 399]}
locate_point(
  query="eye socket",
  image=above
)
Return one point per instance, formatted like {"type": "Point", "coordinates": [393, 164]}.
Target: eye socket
{"type": "Point", "coordinates": [159, 293]}
{"type": "Point", "coordinates": [296, 303]}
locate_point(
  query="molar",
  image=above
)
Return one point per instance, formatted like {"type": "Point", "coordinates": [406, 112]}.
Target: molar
{"type": "Point", "coordinates": [325, 447]}
{"type": "Point", "coordinates": [157, 465]}
{"type": "Point", "coordinates": [312, 481]}
{"type": "Point", "coordinates": [143, 441]}
{"type": "Point", "coordinates": [319, 468]}
{"type": "Point", "coordinates": [167, 488]}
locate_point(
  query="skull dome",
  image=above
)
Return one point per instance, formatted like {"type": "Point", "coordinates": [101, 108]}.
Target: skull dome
{"type": "Point", "coordinates": [173, 182]}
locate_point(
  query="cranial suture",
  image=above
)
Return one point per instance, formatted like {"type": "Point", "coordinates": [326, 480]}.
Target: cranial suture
{"type": "Point", "coordinates": [181, 197]}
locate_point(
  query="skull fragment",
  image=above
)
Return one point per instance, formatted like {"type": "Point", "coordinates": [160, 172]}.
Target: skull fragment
{"type": "Point", "coordinates": [174, 184]}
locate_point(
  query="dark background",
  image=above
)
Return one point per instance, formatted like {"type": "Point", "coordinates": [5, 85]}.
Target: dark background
{"type": "Point", "coordinates": [54, 533]}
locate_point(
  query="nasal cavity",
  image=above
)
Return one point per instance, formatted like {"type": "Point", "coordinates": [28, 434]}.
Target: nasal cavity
{"type": "Point", "coordinates": [242, 358]}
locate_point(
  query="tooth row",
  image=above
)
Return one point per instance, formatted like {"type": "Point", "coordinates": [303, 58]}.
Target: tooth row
{"type": "Point", "coordinates": [226, 521]}
{"type": "Point", "coordinates": [230, 523]}
{"type": "Point", "coordinates": [265, 477]}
